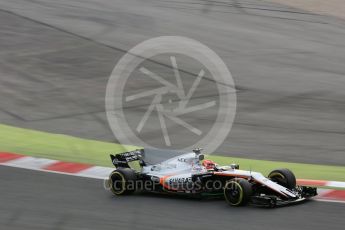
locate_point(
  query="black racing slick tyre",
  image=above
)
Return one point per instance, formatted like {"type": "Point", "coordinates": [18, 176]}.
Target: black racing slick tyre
{"type": "Point", "coordinates": [237, 192]}
{"type": "Point", "coordinates": [122, 181]}
{"type": "Point", "coordinates": [283, 177]}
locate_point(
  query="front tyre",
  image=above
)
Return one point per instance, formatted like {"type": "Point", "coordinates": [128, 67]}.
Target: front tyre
{"type": "Point", "coordinates": [237, 192]}
{"type": "Point", "coordinates": [122, 181]}
{"type": "Point", "coordinates": [283, 177]}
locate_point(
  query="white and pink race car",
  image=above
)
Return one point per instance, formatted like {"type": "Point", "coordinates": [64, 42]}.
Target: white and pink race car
{"type": "Point", "coordinates": [190, 174]}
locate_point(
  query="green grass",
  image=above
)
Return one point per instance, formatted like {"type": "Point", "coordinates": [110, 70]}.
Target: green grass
{"type": "Point", "coordinates": [67, 148]}
{"type": "Point", "coordinates": [57, 146]}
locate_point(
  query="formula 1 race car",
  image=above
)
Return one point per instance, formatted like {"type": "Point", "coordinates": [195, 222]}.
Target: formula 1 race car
{"type": "Point", "coordinates": [191, 174]}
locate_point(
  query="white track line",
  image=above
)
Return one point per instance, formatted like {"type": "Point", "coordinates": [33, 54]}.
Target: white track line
{"type": "Point", "coordinates": [30, 162]}
{"type": "Point", "coordinates": [96, 172]}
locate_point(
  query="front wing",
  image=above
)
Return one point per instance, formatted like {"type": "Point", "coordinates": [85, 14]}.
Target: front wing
{"type": "Point", "coordinates": [304, 193]}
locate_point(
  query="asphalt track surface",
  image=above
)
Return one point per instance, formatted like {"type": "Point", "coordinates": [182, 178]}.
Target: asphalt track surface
{"type": "Point", "coordinates": [39, 200]}
{"type": "Point", "coordinates": [288, 66]}
{"type": "Point", "coordinates": [56, 57]}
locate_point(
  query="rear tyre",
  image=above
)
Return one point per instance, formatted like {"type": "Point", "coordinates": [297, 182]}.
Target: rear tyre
{"type": "Point", "coordinates": [122, 181]}
{"type": "Point", "coordinates": [283, 177]}
{"type": "Point", "coordinates": [237, 192]}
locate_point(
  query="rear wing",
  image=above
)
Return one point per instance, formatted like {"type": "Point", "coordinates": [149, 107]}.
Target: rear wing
{"type": "Point", "coordinates": [122, 159]}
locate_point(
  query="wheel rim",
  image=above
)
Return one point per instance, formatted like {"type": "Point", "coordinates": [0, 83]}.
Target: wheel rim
{"type": "Point", "coordinates": [233, 193]}
{"type": "Point", "coordinates": [118, 183]}
{"type": "Point", "coordinates": [278, 178]}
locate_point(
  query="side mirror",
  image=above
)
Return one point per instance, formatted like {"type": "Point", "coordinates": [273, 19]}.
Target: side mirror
{"type": "Point", "coordinates": [201, 157]}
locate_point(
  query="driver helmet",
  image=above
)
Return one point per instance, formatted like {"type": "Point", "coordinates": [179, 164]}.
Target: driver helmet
{"type": "Point", "coordinates": [209, 164]}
